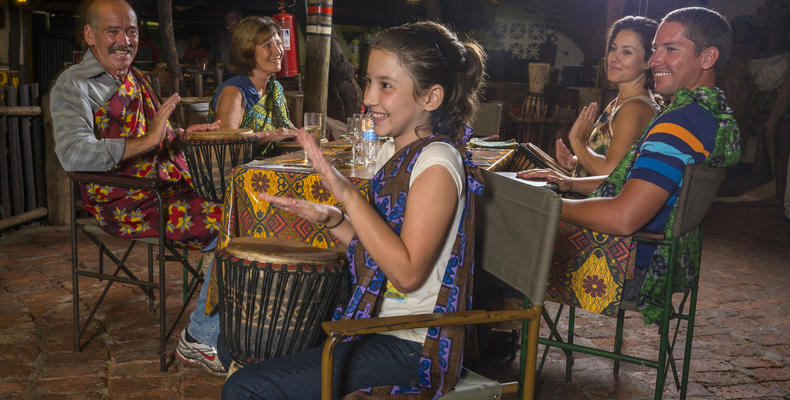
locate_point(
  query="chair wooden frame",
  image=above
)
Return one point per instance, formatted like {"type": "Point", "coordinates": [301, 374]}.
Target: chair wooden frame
{"type": "Point", "coordinates": [515, 219]}
{"type": "Point", "coordinates": [167, 251]}
{"type": "Point", "coordinates": [700, 186]}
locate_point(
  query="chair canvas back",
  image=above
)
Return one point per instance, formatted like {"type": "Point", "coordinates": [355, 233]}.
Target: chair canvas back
{"type": "Point", "coordinates": [700, 184]}
{"type": "Point", "coordinates": [487, 120]}
{"type": "Point", "coordinates": [518, 224]}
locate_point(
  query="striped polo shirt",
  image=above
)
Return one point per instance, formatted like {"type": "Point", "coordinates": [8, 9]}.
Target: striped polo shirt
{"type": "Point", "coordinates": [678, 138]}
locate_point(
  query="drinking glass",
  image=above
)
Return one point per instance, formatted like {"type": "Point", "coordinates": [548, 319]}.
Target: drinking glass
{"type": "Point", "coordinates": [312, 126]}
{"type": "Point", "coordinates": [354, 135]}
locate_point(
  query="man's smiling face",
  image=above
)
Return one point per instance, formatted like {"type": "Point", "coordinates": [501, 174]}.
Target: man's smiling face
{"type": "Point", "coordinates": [114, 39]}
{"type": "Point", "coordinates": [675, 63]}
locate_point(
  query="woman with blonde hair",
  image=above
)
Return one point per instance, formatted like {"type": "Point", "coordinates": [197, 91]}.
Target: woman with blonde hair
{"type": "Point", "coordinates": [253, 98]}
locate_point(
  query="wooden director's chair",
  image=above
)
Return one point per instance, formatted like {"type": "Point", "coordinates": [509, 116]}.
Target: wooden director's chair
{"type": "Point", "coordinates": [700, 184]}
{"type": "Point", "coordinates": [167, 251]}
{"type": "Point", "coordinates": [517, 226]}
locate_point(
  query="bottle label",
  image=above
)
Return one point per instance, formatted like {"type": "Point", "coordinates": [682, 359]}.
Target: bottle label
{"type": "Point", "coordinates": [286, 39]}
{"type": "Point", "coordinates": [370, 135]}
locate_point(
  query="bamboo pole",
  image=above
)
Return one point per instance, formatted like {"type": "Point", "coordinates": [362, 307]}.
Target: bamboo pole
{"type": "Point", "coordinates": [165, 9]}
{"type": "Point", "coordinates": [318, 41]}
{"type": "Point", "coordinates": [31, 215]}
{"type": "Point", "coordinates": [21, 111]}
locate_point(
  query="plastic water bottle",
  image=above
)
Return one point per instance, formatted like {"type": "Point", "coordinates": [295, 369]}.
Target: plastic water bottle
{"type": "Point", "coordinates": [370, 142]}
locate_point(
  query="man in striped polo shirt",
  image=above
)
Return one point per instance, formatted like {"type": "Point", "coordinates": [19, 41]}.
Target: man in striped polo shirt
{"type": "Point", "coordinates": [691, 45]}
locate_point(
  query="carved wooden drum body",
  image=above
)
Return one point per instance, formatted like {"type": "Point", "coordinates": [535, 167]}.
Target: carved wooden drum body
{"type": "Point", "coordinates": [211, 156]}
{"type": "Point", "coordinates": [274, 295]}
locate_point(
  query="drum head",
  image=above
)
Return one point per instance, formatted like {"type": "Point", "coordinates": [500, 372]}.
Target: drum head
{"type": "Point", "coordinates": [278, 251]}
{"type": "Point", "coordinates": [219, 134]}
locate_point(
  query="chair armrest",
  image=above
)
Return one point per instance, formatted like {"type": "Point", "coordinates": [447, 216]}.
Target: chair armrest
{"type": "Point", "coordinates": [112, 179]}
{"type": "Point", "coordinates": [385, 324]}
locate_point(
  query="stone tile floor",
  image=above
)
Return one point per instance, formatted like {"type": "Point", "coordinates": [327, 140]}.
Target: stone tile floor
{"type": "Point", "coordinates": [741, 346]}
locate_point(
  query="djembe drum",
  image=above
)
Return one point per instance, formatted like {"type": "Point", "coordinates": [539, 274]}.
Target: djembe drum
{"type": "Point", "coordinates": [274, 294]}
{"type": "Point", "coordinates": [212, 154]}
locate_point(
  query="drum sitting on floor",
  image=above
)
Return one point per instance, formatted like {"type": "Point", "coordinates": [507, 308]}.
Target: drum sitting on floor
{"type": "Point", "coordinates": [274, 295]}
{"type": "Point", "coordinates": [212, 154]}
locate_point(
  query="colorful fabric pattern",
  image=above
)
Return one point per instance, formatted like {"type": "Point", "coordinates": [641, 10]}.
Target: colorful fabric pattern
{"type": "Point", "coordinates": [135, 213]}
{"type": "Point", "coordinates": [289, 175]}
{"type": "Point", "coordinates": [261, 113]}
{"type": "Point", "coordinates": [589, 269]}
{"type": "Point", "coordinates": [442, 351]}
{"type": "Point", "coordinates": [286, 176]}
{"type": "Point", "coordinates": [726, 152]}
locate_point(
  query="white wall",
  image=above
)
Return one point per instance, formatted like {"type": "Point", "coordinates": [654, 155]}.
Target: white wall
{"type": "Point", "coordinates": [522, 33]}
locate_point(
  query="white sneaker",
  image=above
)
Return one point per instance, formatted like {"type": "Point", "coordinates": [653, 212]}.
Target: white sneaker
{"type": "Point", "coordinates": [197, 354]}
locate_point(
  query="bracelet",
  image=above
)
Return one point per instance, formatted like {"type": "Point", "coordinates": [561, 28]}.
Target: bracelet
{"type": "Point", "coordinates": [342, 219]}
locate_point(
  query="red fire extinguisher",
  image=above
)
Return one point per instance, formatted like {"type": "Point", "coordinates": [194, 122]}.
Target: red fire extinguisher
{"type": "Point", "coordinates": [290, 63]}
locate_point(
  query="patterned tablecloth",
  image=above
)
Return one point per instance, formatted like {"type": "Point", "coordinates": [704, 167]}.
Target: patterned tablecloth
{"type": "Point", "coordinates": [289, 175]}
{"type": "Point", "coordinates": [588, 269]}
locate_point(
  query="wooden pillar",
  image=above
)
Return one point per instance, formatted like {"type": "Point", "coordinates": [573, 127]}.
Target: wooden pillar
{"type": "Point", "coordinates": [14, 36]}
{"type": "Point", "coordinates": [165, 9]}
{"type": "Point", "coordinates": [57, 182]}
{"type": "Point", "coordinates": [318, 40]}
{"type": "Point", "coordinates": [198, 84]}
{"type": "Point", "coordinates": [15, 155]}
{"type": "Point", "coordinates": [614, 10]}
{"type": "Point", "coordinates": [433, 10]}
{"type": "Point", "coordinates": [775, 25]}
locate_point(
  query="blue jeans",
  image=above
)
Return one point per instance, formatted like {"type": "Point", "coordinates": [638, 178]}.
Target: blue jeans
{"type": "Point", "coordinates": [204, 328]}
{"type": "Point", "coordinates": [373, 360]}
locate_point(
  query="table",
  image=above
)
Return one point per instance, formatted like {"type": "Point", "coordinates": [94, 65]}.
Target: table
{"type": "Point", "coordinates": [289, 175]}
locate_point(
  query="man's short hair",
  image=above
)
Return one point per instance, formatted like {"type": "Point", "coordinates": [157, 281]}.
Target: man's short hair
{"type": "Point", "coordinates": [706, 28]}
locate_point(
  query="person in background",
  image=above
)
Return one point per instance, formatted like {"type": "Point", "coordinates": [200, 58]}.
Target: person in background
{"type": "Point", "coordinates": [147, 50]}
{"type": "Point", "coordinates": [424, 87]}
{"type": "Point", "coordinates": [691, 46]}
{"type": "Point", "coordinates": [253, 98]}
{"type": "Point", "coordinates": [194, 54]}
{"type": "Point", "coordinates": [106, 117]}
{"type": "Point", "coordinates": [596, 147]}
{"type": "Point", "coordinates": [231, 19]}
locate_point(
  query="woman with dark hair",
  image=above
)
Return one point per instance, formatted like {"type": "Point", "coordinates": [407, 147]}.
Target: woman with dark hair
{"type": "Point", "coordinates": [410, 240]}
{"type": "Point", "coordinates": [596, 147]}
{"type": "Point", "coordinates": [253, 98]}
